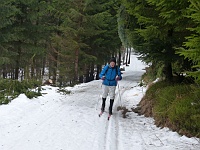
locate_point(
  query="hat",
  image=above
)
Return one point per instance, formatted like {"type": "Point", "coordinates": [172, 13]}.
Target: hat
{"type": "Point", "coordinates": [113, 60]}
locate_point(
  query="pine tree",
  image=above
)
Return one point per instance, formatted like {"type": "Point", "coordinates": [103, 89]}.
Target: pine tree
{"type": "Point", "coordinates": [86, 31]}
{"type": "Point", "coordinates": [191, 50]}
{"type": "Point", "coordinates": [6, 15]}
{"type": "Point", "coordinates": [155, 28]}
{"type": "Point", "coordinates": [70, 38]}
{"type": "Point", "coordinates": [27, 36]}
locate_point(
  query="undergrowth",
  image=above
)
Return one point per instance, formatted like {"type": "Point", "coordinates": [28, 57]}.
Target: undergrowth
{"type": "Point", "coordinates": [10, 89]}
{"type": "Point", "coordinates": [176, 106]}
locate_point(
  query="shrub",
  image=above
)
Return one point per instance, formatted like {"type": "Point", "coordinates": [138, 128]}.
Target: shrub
{"type": "Point", "coordinates": [32, 94]}
{"type": "Point", "coordinates": [63, 91]}
{"type": "Point", "coordinates": [12, 88]}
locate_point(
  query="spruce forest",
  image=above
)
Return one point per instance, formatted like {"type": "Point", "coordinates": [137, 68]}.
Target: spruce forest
{"type": "Point", "coordinates": [69, 41]}
{"type": "Point", "coordinates": [69, 38]}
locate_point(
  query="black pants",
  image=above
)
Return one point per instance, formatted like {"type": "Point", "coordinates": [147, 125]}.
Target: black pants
{"type": "Point", "coordinates": [104, 103]}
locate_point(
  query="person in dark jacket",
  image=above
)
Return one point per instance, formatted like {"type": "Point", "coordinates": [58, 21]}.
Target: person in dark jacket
{"type": "Point", "coordinates": [110, 75]}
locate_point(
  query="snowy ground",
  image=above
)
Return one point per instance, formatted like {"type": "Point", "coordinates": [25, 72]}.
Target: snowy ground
{"type": "Point", "coordinates": [70, 122]}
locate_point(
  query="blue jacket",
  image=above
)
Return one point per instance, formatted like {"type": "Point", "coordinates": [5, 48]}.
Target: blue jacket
{"type": "Point", "coordinates": [110, 75]}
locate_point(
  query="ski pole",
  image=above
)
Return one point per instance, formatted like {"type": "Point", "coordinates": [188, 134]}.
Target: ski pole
{"type": "Point", "coordinates": [119, 95]}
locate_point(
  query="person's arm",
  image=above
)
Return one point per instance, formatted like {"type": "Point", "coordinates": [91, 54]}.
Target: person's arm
{"type": "Point", "coordinates": [119, 76]}
{"type": "Point", "coordinates": [103, 72]}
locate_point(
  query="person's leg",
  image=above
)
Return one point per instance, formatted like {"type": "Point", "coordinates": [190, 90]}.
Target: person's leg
{"type": "Point", "coordinates": [103, 104]}
{"type": "Point", "coordinates": [111, 106]}
{"type": "Point", "coordinates": [112, 97]}
{"type": "Point", "coordinates": [104, 95]}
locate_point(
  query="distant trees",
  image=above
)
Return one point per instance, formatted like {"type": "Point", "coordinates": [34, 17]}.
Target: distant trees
{"type": "Point", "coordinates": [66, 39]}
{"type": "Point", "coordinates": [24, 34]}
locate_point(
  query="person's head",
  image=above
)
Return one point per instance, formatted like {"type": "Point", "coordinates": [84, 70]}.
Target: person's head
{"type": "Point", "coordinates": [112, 62]}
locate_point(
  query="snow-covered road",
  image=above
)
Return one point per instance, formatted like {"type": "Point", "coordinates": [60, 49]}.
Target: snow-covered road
{"type": "Point", "coordinates": [70, 122]}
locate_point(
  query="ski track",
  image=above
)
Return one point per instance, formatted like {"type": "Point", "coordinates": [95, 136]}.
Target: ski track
{"type": "Point", "coordinates": [111, 127]}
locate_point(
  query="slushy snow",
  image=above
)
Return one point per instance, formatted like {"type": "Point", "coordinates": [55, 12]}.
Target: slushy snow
{"type": "Point", "coordinates": [57, 121]}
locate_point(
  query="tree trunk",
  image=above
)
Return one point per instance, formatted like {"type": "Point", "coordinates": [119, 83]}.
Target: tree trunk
{"type": "Point", "coordinates": [81, 79]}
{"type": "Point", "coordinates": [43, 66]}
{"type": "Point", "coordinates": [92, 72]}
{"type": "Point", "coordinates": [53, 67]}
{"type": "Point", "coordinates": [38, 73]}
{"type": "Point", "coordinates": [98, 72]}
{"type": "Point", "coordinates": [17, 63]}
{"type": "Point", "coordinates": [119, 60]}
{"type": "Point", "coordinates": [168, 66]}
{"type": "Point", "coordinates": [26, 72]}
{"type": "Point", "coordinates": [123, 57]}
{"type": "Point", "coordinates": [167, 70]}
{"type": "Point", "coordinates": [4, 71]}
{"type": "Point", "coordinates": [54, 70]}
{"type": "Point", "coordinates": [127, 56]}
{"type": "Point", "coordinates": [87, 75]}
{"type": "Point", "coordinates": [76, 65]}
{"type": "Point", "coordinates": [32, 69]}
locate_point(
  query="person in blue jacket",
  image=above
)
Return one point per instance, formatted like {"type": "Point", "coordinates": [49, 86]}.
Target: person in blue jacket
{"type": "Point", "coordinates": [110, 75]}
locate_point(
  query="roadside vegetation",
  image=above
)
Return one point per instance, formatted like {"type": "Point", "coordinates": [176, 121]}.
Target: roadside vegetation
{"type": "Point", "coordinates": [174, 105]}
{"type": "Point", "coordinates": [165, 34]}
{"type": "Point", "coordinates": [10, 89]}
